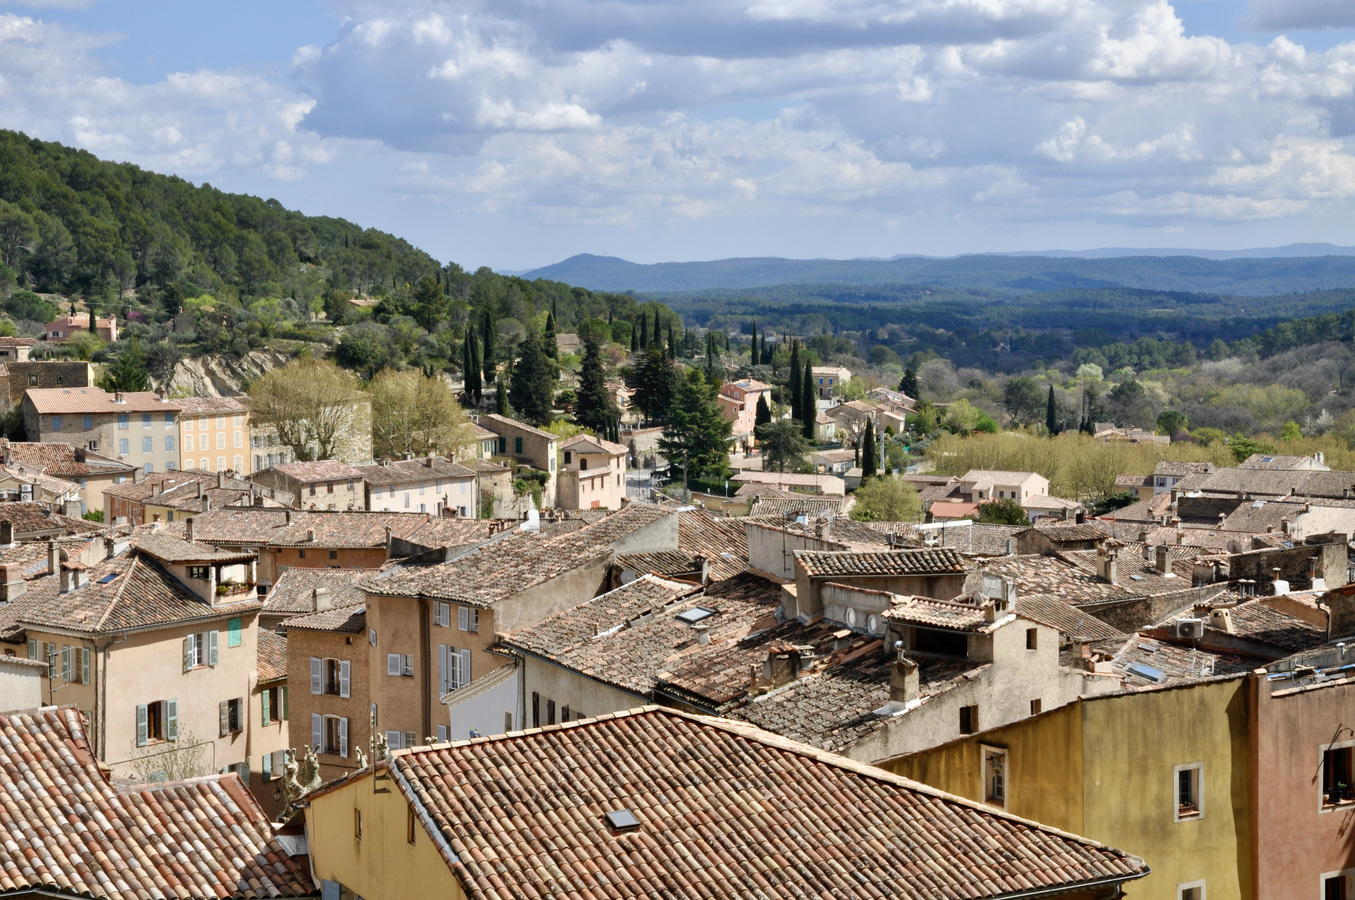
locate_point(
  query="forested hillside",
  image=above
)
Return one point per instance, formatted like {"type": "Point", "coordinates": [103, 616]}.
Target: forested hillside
{"type": "Point", "coordinates": [75, 230]}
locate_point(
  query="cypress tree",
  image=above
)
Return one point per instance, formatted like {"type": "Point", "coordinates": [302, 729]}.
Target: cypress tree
{"type": "Point", "coordinates": [487, 347]}
{"type": "Point", "coordinates": [532, 391]}
{"type": "Point", "coordinates": [809, 409]}
{"type": "Point", "coordinates": [712, 368]}
{"type": "Point", "coordinates": [763, 414]}
{"type": "Point", "coordinates": [468, 367]}
{"type": "Point", "coordinates": [657, 330]}
{"type": "Point", "coordinates": [596, 408]}
{"type": "Point", "coordinates": [672, 346]}
{"type": "Point", "coordinates": [644, 331]}
{"type": "Point", "coordinates": [634, 339]}
{"type": "Point", "coordinates": [795, 405]}
{"type": "Point", "coordinates": [752, 347]}
{"type": "Point", "coordinates": [501, 400]}
{"type": "Point", "coordinates": [549, 343]}
{"type": "Point", "coordinates": [908, 383]}
{"type": "Point", "coordinates": [870, 463]}
{"type": "Point", "coordinates": [1050, 416]}
{"type": "Point", "coordinates": [93, 315]}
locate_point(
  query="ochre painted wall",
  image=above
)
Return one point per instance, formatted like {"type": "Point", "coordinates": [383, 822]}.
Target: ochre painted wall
{"type": "Point", "coordinates": [382, 865]}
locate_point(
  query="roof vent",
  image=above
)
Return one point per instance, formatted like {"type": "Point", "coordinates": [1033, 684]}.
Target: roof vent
{"type": "Point", "coordinates": [623, 821]}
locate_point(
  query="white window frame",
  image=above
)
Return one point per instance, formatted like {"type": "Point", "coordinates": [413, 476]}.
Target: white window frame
{"type": "Point", "coordinates": [987, 751]}
{"type": "Point", "coordinates": [442, 613]}
{"type": "Point", "coordinates": [1322, 805]}
{"type": "Point", "coordinates": [1347, 874]}
{"type": "Point", "coordinates": [1198, 769]}
{"type": "Point", "coordinates": [468, 619]}
{"type": "Point", "coordinates": [1190, 886]}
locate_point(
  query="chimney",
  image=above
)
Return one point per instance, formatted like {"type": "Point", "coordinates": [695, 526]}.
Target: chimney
{"type": "Point", "coordinates": [188, 529]}
{"type": "Point", "coordinates": [53, 558]}
{"type": "Point", "coordinates": [1106, 566]}
{"type": "Point", "coordinates": [428, 462]}
{"type": "Point", "coordinates": [310, 535]}
{"type": "Point", "coordinates": [1222, 620]}
{"type": "Point", "coordinates": [1081, 517]}
{"type": "Point", "coordinates": [221, 479]}
{"type": "Point", "coordinates": [904, 681]}
{"type": "Point", "coordinates": [136, 475]}
{"type": "Point", "coordinates": [156, 489]}
{"type": "Point", "coordinates": [6, 534]}
{"type": "Point", "coordinates": [206, 504]}
{"type": "Point", "coordinates": [322, 599]}
{"type": "Point", "coordinates": [160, 394]}
{"type": "Point", "coordinates": [12, 584]}
{"type": "Point", "coordinates": [389, 532]}
{"type": "Point", "coordinates": [117, 396]}
{"type": "Point", "coordinates": [702, 634]}
{"type": "Point", "coordinates": [199, 487]}
{"type": "Point", "coordinates": [779, 667]}
{"type": "Point", "coordinates": [258, 499]}
{"type": "Point", "coordinates": [1164, 563]}
{"type": "Point", "coordinates": [287, 516]}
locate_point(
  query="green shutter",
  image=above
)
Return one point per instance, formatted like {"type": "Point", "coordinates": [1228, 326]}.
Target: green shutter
{"type": "Point", "coordinates": [233, 632]}
{"type": "Point", "coordinates": [266, 705]}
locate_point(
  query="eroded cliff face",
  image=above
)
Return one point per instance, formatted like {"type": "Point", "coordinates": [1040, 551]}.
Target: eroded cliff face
{"type": "Point", "coordinates": [221, 376]}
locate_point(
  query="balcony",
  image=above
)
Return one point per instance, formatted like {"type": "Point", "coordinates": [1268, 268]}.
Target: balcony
{"type": "Point", "coordinates": [230, 589]}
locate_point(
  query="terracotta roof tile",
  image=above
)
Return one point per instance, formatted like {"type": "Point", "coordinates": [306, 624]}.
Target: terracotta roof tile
{"type": "Point", "coordinates": [1072, 623]}
{"type": "Point", "coordinates": [255, 527]}
{"type": "Point", "coordinates": [294, 592]}
{"type": "Point", "coordinates": [272, 652]}
{"type": "Point", "coordinates": [48, 401]}
{"type": "Point", "coordinates": [196, 406]}
{"type": "Point", "coordinates": [721, 540]}
{"type": "Point", "coordinates": [321, 470]}
{"type": "Point", "coordinates": [725, 811]}
{"type": "Point", "coordinates": [406, 471]}
{"type": "Point", "coordinates": [70, 832]}
{"type": "Point", "coordinates": [63, 460]}
{"type": "Point", "coordinates": [820, 563]}
{"type": "Point", "coordinates": [340, 619]}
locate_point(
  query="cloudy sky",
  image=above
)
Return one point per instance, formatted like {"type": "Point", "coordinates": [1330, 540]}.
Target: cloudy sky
{"type": "Point", "coordinates": [514, 133]}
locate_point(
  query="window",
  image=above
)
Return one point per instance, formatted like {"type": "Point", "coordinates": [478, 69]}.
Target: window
{"type": "Point", "coordinates": [969, 719]}
{"type": "Point", "coordinates": [147, 444]}
{"type": "Point", "coordinates": [1337, 885]}
{"type": "Point", "coordinates": [442, 733]}
{"type": "Point", "coordinates": [442, 614]}
{"type": "Point", "coordinates": [1036, 706]}
{"type": "Point", "coordinates": [507, 720]}
{"type": "Point", "coordinates": [239, 440]}
{"type": "Point", "coordinates": [221, 440]}
{"type": "Point", "coordinates": [1032, 638]}
{"type": "Point", "coordinates": [376, 491]}
{"type": "Point", "coordinates": [517, 445]}
{"type": "Point", "coordinates": [221, 463]}
{"type": "Point", "coordinates": [329, 487]}
{"type": "Point", "coordinates": [301, 554]}
{"type": "Point", "coordinates": [231, 714]}
{"type": "Point", "coordinates": [550, 712]}
{"type": "Point", "coordinates": [1338, 785]}
{"type": "Point", "coordinates": [1189, 799]}
{"type": "Point", "coordinates": [56, 423]}
{"type": "Point", "coordinates": [122, 446]}
{"type": "Point", "coordinates": [169, 419]}
{"type": "Point", "coordinates": [536, 710]}
{"type": "Point", "coordinates": [273, 704]}
{"type": "Point", "coordinates": [995, 776]}
{"type": "Point", "coordinates": [199, 650]}
{"type": "Point", "coordinates": [400, 664]}
{"type": "Point", "coordinates": [145, 420]}
{"type": "Point", "coordinates": [236, 420]}
{"type": "Point", "coordinates": [169, 443]}
{"type": "Point", "coordinates": [568, 457]}
{"type": "Point", "coordinates": [198, 572]}
{"type": "Point", "coordinates": [421, 488]}
{"type": "Point", "coordinates": [1192, 891]}
{"type": "Point", "coordinates": [122, 420]}
{"type": "Point", "coordinates": [334, 554]}
{"type": "Point", "coordinates": [233, 632]}
{"type": "Point", "coordinates": [357, 824]}
{"type": "Point", "coordinates": [32, 380]}
{"type": "Point", "coordinates": [330, 734]}
{"type": "Point", "coordinates": [468, 619]}
{"type": "Point", "coordinates": [272, 767]}
{"type": "Point", "coordinates": [330, 676]}
{"type": "Point", "coordinates": [87, 422]}
{"type": "Point", "coordinates": [312, 490]}
{"type": "Point", "coordinates": [158, 721]}
{"type": "Point", "coordinates": [453, 668]}
{"type": "Point", "coordinates": [564, 714]}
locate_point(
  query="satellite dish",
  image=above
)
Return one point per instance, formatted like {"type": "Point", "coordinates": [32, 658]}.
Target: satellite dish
{"type": "Point", "coordinates": [1234, 547]}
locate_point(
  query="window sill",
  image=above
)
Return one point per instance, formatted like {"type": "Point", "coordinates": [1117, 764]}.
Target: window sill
{"type": "Point", "coordinates": [1327, 805]}
{"type": "Point", "coordinates": [1189, 815]}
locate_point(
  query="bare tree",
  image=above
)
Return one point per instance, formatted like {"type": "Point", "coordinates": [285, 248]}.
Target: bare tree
{"type": "Point", "coordinates": [177, 760]}
{"type": "Point", "coordinates": [417, 414]}
{"type": "Point", "coordinates": [312, 404]}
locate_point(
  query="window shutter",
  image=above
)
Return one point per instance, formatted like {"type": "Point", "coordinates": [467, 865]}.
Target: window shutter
{"type": "Point", "coordinates": [442, 669]}
{"type": "Point", "coordinates": [442, 732]}
{"type": "Point", "coordinates": [453, 669]}
{"type": "Point", "coordinates": [266, 770]}
{"type": "Point", "coordinates": [65, 663]}
{"type": "Point", "coordinates": [395, 740]}
{"type": "Point", "coordinates": [392, 664]}
{"type": "Point", "coordinates": [474, 616]}
{"type": "Point", "coordinates": [233, 636]}
{"type": "Point", "coordinates": [172, 719]}
{"type": "Point", "coordinates": [266, 705]}
{"type": "Point", "coordinates": [211, 648]}
{"type": "Point", "coordinates": [84, 665]}
{"type": "Point", "coordinates": [463, 618]}
{"type": "Point", "coordinates": [317, 678]}
{"type": "Point", "coordinates": [223, 713]}
{"type": "Point", "coordinates": [343, 737]}
{"type": "Point", "coordinates": [344, 670]}
{"type": "Point", "coordinates": [282, 696]}
{"type": "Point", "coordinates": [317, 730]}
{"type": "Point", "coordinates": [244, 772]}
{"type": "Point", "coordinates": [32, 649]}
{"type": "Point", "coordinates": [188, 653]}
{"type": "Point", "coordinates": [465, 668]}
{"type": "Point", "coordinates": [141, 720]}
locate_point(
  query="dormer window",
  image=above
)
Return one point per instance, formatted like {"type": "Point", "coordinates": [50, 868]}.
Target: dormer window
{"type": "Point", "coordinates": [198, 572]}
{"type": "Point", "coordinates": [569, 457]}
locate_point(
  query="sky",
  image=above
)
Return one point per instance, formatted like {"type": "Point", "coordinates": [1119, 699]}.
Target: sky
{"type": "Point", "coordinates": [515, 133]}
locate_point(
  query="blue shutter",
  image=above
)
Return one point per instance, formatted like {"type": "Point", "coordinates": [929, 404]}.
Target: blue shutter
{"type": "Point", "coordinates": [233, 632]}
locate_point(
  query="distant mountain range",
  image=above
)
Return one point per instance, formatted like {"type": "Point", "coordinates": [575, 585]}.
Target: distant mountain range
{"type": "Point", "coordinates": [1262, 271]}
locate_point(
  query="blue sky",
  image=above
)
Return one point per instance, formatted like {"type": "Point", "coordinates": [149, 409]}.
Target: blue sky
{"type": "Point", "coordinates": [514, 133]}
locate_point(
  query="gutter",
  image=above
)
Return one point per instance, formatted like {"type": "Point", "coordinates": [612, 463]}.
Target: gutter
{"type": "Point", "coordinates": [1114, 881]}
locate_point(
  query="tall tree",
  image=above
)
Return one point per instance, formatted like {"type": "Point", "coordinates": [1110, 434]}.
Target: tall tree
{"type": "Point", "coordinates": [712, 359]}
{"type": "Point", "coordinates": [312, 404]}
{"type": "Point", "coordinates": [501, 404]}
{"type": "Point", "coordinates": [655, 382]}
{"type": "Point", "coordinates": [428, 305]}
{"type": "Point", "coordinates": [532, 389]}
{"type": "Point", "coordinates": [809, 409]}
{"type": "Point", "coordinates": [417, 414]}
{"type": "Point", "coordinates": [596, 406]}
{"type": "Point", "coordinates": [1051, 422]}
{"type": "Point", "coordinates": [487, 365]}
{"type": "Point", "coordinates": [796, 407]}
{"type": "Point", "coordinates": [634, 340]}
{"type": "Point", "coordinates": [886, 498]}
{"type": "Point", "coordinates": [128, 372]}
{"type": "Point", "coordinates": [870, 461]}
{"type": "Point", "coordinates": [549, 342]}
{"type": "Point", "coordinates": [471, 366]}
{"type": "Point", "coordinates": [672, 345]}
{"type": "Point", "coordinates": [93, 306]}
{"type": "Point", "coordinates": [763, 414]}
{"type": "Point", "coordinates": [908, 383]}
{"type": "Point", "coordinates": [644, 331]}
{"type": "Point", "coordinates": [753, 359]}
{"type": "Point", "coordinates": [783, 445]}
{"type": "Point", "coordinates": [697, 437]}
{"type": "Point", "coordinates": [657, 330]}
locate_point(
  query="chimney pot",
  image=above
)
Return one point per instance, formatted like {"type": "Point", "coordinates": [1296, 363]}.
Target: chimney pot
{"type": "Point", "coordinates": [188, 529]}
{"type": "Point", "coordinates": [310, 535]}
{"type": "Point", "coordinates": [702, 634]}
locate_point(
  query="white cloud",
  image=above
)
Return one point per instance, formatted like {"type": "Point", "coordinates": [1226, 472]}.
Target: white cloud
{"type": "Point", "coordinates": [1277, 15]}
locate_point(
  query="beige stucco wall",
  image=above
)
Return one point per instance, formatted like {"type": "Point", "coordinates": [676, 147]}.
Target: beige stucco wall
{"type": "Point", "coordinates": [583, 695]}
{"type": "Point", "coordinates": [601, 486]}
{"type": "Point", "coordinates": [215, 442]}
{"type": "Point", "coordinates": [267, 739]}
{"type": "Point", "coordinates": [105, 431]}
{"type": "Point", "coordinates": [21, 686]}
{"type": "Point", "coordinates": [431, 496]}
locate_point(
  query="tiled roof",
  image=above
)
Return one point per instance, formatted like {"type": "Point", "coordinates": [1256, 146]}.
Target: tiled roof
{"type": "Point", "coordinates": [800, 505]}
{"type": "Point", "coordinates": [340, 619]}
{"type": "Point", "coordinates": [976, 539]}
{"type": "Point", "coordinates": [664, 563]}
{"type": "Point", "coordinates": [792, 479]}
{"type": "Point", "coordinates": [272, 653]}
{"type": "Point", "coordinates": [31, 518]}
{"type": "Point", "coordinates": [954, 509]}
{"type": "Point", "coordinates": [321, 470]}
{"type": "Point", "coordinates": [724, 811]}
{"type": "Point", "coordinates": [408, 471]}
{"type": "Point", "coordinates": [984, 479]}
{"type": "Point", "coordinates": [63, 460]}
{"type": "Point", "coordinates": [58, 487]}
{"type": "Point", "coordinates": [1069, 534]}
{"type": "Point", "coordinates": [1071, 622]}
{"type": "Point", "coordinates": [168, 548]}
{"type": "Point", "coordinates": [196, 406]}
{"type": "Point", "coordinates": [514, 563]}
{"type": "Point", "coordinates": [294, 592]}
{"type": "Point", "coordinates": [1133, 573]}
{"type": "Point", "coordinates": [1145, 662]}
{"type": "Point", "coordinates": [256, 527]}
{"type": "Point", "coordinates": [819, 563]}
{"type": "Point", "coordinates": [1259, 622]}
{"type": "Point", "coordinates": [929, 613]}
{"type": "Point", "coordinates": [450, 531]}
{"type": "Point", "coordinates": [55, 401]}
{"type": "Point", "coordinates": [68, 831]}
{"type": "Point", "coordinates": [125, 592]}
{"type": "Point", "coordinates": [722, 541]}
{"type": "Point", "coordinates": [586, 443]}
{"type": "Point", "coordinates": [1182, 469]}
{"type": "Point", "coordinates": [1037, 574]}
{"type": "Point", "coordinates": [497, 419]}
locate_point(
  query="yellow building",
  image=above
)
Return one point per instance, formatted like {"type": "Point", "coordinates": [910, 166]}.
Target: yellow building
{"type": "Point", "coordinates": [214, 434]}
{"type": "Point", "coordinates": [1162, 774]}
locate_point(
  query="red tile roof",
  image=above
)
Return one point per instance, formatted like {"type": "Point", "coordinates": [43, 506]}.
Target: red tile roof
{"type": "Point", "coordinates": [294, 592]}
{"type": "Point", "coordinates": [724, 811]}
{"type": "Point", "coordinates": [407, 471]}
{"type": "Point", "coordinates": [272, 653]}
{"type": "Point", "coordinates": [258, 527]}
{"type": "Point", "coordinates": [68, 831]}
{"type": "Point", "coordinates": [323, 470]}
{"type": "Point", "coordinates": [63, 460]}
{"type": "Point", "coordinates": [49, 401]}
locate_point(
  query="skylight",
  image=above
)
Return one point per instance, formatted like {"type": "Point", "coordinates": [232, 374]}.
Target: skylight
{"type": "Point", "coordinates": [695, 614]}
{"type": "Point", "coordinates": [622, 820]}
{"type": "Point", "coordinates": [109, 579]}
{"type": "Point", "coordinates": [1157, 676]}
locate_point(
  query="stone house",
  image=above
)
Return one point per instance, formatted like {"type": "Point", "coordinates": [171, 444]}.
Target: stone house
{"type": "Point", "coordinates": [139, 428]}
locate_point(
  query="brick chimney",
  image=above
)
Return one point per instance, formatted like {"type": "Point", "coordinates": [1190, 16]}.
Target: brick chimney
{"type": "Point", "coordinates": [905, 684]}
{"type": "Point", "coordinates": [12, 585]}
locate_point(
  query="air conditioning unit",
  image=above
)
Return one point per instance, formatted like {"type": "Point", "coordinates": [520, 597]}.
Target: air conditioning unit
{"type": "Point", "coordinates": [1188, 629]}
